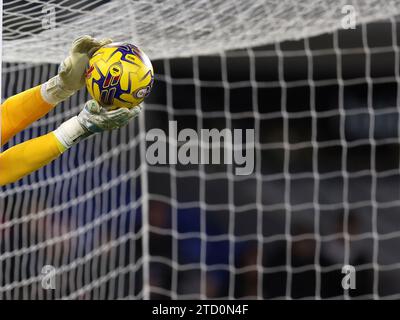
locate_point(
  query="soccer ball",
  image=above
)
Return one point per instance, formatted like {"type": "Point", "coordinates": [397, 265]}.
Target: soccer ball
{"type": "Point", "coordinates": [119, 75]}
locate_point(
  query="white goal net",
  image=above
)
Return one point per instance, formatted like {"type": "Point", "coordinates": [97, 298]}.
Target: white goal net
{"type": "Point", "coordinates": [324, 193]}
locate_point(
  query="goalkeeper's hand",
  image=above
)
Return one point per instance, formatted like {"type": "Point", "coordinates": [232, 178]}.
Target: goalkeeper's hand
{"type": "Point", "coordinates": [93, 119]}
{"type": "Point", "coordinates": [71, 73]}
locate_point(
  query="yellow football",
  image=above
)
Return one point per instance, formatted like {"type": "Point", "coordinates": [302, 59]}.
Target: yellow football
{"type": "Point", "coordinates": [119, 75]}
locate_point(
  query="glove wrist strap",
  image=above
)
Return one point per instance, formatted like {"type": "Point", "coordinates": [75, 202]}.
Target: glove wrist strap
{"type": "Point", "coordinates": [54, 92]}
{"type": "Point", "coordinates": [71, 132]}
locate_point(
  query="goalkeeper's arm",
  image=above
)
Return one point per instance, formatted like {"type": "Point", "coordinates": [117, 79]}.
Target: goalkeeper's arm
{"type": "Point", "coordinates": [20, 110]}
{"type": "Point", "coordinates": [31, 155]}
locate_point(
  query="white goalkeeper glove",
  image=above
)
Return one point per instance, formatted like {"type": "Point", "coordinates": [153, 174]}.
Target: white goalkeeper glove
{"type": "Point", "coordinates": [71, 73]}
{"type": "Point", "coordinates": [93, 119]}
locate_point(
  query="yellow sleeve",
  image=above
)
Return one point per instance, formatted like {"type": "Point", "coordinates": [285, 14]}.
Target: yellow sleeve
{"type": "Point", "coordinates": [27, 157]}
{"type": "Point", "coordinates": [19, 111]}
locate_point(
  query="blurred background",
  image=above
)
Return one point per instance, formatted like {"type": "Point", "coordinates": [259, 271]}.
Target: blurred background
{"type": "Point", "coordinates": [324, 192]}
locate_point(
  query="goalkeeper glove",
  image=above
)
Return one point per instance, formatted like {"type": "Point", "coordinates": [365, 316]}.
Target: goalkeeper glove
{"type": "Point", "coordinates": [71, 73]}
{"type": "Point", "coordinates": [93, 119]}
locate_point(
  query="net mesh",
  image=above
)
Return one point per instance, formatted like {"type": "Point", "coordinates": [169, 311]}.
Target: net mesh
{"type": "Point", "coordinates": [172, 28]}
{"type": "Point", "coordinates": [325, 188]}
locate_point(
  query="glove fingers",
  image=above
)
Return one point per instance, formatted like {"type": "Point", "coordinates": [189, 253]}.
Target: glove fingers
{"type": "Point", "coordinates": [100, 44]}
{"type": "Point", "coordinates": [129, 113]}
{"type": "Point", "coordinates": [118, 115]}
{"type": "Point", "coordinates": [134, 112]}
{"type": "Point", "coordinates": [87, 44]}
{"type": "Point", "coordinates": [80, 44]}
{"type": "Point", "coordinates": [105, 41]}
{"type": "Point", "coordinates": [80, 39]}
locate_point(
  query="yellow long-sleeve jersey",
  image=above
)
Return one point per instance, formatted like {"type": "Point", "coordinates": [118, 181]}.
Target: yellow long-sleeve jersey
{"type": "Point", "coordinates": [17, 112]}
